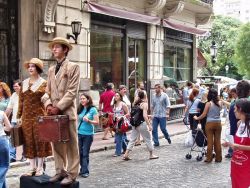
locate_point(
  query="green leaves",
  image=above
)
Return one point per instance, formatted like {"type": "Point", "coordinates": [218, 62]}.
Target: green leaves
{"type": "Point", "coordinates": [225, 32]}
{"type": "Point", "coordinates": [242, 51]}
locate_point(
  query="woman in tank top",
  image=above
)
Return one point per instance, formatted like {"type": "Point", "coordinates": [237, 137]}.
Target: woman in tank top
{"type": "Point", "coordinates": [213, 126]}
{"type": "Point", "coordinates": [120, 109]}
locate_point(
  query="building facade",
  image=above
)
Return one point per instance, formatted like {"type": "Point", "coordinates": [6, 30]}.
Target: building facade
{"type": "Point", "coordinates": [239, 9]}
{"type": "Point", "coordinates": [121, 41]}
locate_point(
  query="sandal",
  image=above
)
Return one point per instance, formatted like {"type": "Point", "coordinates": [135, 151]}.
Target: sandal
{"type": "Point", "coordinates": [30, 172]}
{"type": "Point", "coordinates": [154, 157]}
{"type": "Point", "coordinates": [126, 158]}
{"type": "Point", "coordinates": [39, 172]}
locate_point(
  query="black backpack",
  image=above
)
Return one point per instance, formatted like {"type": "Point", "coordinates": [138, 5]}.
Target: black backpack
{"type": "Point", "coordinates": [136, 117]}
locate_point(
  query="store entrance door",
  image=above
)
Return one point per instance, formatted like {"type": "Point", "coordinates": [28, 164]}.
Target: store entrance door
{"type": "Point", "coordinates": [136, 64]}
{"type": "Point", "coordinates": [8, 41]}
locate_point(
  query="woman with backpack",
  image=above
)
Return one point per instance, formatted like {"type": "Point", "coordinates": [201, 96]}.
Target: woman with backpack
{"type": "Point", "coordinates": [143, 128]}
{"type": "Point", "coordinates": [88, 117]}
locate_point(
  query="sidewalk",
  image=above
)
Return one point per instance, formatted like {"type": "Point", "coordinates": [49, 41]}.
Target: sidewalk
{"type": "Point", "coordinates": [174, 127]}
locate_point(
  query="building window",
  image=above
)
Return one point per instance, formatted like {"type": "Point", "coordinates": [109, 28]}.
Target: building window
{"type": "Point", "coordinates": [177, 63]}
{"type": "Point", "coordinates": [106, 56]}
{"type": "Point", "coordinates": [178, 55]}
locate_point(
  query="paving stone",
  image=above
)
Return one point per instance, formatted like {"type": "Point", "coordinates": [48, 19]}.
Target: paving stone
{"type": "Point", "coordinates": [170, 170]}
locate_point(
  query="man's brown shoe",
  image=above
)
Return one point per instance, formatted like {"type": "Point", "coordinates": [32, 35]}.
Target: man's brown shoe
{"type": "Point", "coordinates": [57, 177]}
{"type": "Point", "coordinates": [67, 180]}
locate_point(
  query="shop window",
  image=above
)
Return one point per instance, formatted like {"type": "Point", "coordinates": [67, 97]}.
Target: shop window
{"type": "Point", "coordinates": [106, 57]}
{"type": "Point", "coordinates": [177, 63]}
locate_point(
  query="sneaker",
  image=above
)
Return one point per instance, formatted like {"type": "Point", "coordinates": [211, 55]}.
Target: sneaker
{"type": "Point", "coordinates": [228, 156]}
{"type": "Point", "coordinates": [169, 140]}
{"type": "Point", "coordinates": [85, 175]}
{"type": "Point", "coordinates": [156, 145]}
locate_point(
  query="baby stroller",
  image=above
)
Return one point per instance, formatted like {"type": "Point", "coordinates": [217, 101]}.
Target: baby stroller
{"type": "Point", "coordinates": [199, 144]}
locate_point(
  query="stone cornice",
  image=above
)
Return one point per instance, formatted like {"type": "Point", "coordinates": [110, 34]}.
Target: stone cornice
{"type": "Point", "coordinates": [154, 6]}
{"type": "Point", "coordinates": [202, 19]}
{"type": "Point", "coordinates": [49, 16]}
{"type": "Point", "coordinates": [173, 7]}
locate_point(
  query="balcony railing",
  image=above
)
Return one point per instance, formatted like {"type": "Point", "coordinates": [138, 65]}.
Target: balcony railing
{"type": "Point", "coordinates": [208, 1]}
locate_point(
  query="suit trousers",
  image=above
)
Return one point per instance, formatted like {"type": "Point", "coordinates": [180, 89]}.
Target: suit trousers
{"type": "Point", "coordinates": [213, 132]}
{"type": "Point", "coordinates": [67, 154]}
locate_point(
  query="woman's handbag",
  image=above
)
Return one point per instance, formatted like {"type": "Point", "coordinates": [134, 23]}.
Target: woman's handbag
{"type": "Point", "coordinates": [16, 134]}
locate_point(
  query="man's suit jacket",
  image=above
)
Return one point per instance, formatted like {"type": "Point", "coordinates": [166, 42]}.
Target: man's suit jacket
{"type": "Point", "coordinates": [62, 88]}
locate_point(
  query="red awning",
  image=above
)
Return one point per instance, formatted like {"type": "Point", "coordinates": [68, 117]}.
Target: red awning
{"type": "Point", "coordinates": [184, 28]}
{"type": "Point", "coordinates": [110, 11]}
{"type": "Point", "coordinates": [201, 61]}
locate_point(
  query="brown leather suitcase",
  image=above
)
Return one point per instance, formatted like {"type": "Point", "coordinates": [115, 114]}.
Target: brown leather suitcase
{"type": "Point", "coordinates": [16, 135]}
{"type": "Point", "coordinates": [53, 128]}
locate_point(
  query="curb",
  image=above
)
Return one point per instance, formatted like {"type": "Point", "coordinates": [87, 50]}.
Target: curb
{"type": "Point", "coordinates": [105, 148]}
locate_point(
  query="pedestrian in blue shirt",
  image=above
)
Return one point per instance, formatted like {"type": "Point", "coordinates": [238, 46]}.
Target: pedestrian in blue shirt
{"type": "Point", "coordinates": [160, 109]}
{"type": "Point", "coordinates": [87, 118]}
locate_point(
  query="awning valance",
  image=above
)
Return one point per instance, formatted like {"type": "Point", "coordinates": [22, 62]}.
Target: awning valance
{"type": "Point", "coordinates": [124, 14]}
{"type": "Point", "coordinates": [183, 28]}
{"type": "Point", "coordinates": [201, 61]}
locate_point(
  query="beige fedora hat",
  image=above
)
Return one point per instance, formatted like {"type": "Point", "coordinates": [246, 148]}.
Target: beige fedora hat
{"type": "Point", "coordinates": [60, 40]}
{"type": "Point", "coordinates": [34, 61]}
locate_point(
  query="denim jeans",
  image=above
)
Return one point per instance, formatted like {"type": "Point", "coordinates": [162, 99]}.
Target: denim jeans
{"type": "Point", "coordinates": [85, 142]}
{"type": "Point", "coordinates": [120, 143]}
{"type": "Point", "coordinates": [4, 159]}
{"type": "Point", "coordinates": [163, 122]}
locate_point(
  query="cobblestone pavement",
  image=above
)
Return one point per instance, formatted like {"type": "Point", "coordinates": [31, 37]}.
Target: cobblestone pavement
{"type": "Point", "coordinates": [170, 170]}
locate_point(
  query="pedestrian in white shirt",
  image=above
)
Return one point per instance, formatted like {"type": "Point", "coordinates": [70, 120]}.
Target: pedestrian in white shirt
{"type": "Point", "coordinates": [16, 154]}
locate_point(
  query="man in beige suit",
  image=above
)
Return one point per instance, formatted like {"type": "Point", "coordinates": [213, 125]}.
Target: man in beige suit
{"type": "Point", "coordinates": [60, 98]}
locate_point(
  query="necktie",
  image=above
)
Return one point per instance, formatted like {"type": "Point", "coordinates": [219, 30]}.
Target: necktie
{"type": "Point", "coordinates": [58, 65]}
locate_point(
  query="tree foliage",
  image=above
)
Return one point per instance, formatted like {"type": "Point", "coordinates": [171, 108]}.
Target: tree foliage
{"type": "Point", "coordinates": [224, 32]}
{"type": "Point", "coordinates": [242, 54]}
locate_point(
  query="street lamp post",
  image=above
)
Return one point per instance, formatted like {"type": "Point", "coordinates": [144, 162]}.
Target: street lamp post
{"type": "Point", "coordinates": [226, 68]}
{"type": "Point", "coordinates": [213, 52]}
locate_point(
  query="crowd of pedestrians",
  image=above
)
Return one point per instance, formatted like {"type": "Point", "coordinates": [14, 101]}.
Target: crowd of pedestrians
{"type": "Point", "coordinates": [232, 104]}
{"type": "Point", "coordinates": [36, 96]}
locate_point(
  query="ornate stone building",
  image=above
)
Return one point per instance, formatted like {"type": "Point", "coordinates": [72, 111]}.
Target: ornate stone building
{"type": "Point", "coordinates": [121, 41]}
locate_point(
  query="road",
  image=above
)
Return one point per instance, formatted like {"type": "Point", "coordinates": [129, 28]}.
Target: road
{"type": "Point", "coordinates": [171, 170]}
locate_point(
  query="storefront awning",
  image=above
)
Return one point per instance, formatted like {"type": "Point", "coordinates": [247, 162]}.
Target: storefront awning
{"type": "Point", "coordinates": [110, 11]}
{"type": "Point", "coordinates": [201, 61]}
{"type": "Point", "coordinates": [183, 28]}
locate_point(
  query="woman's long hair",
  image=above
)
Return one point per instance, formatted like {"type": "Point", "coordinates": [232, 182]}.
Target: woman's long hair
{"type": "Point", "coordinates": [6, 90]}
{"type": "Point", "coordinates": [141, 95]}
{"type": "Point", "coordinates": [120, 98]}
{"type": "Point", "coordinates": [213, 96]}
{"type": "Point", "coordinates": [193, 94]}
{"type": "Point", "coordinates": [89, 105]}
{"type": "Point", "coordinates": [243, 106]}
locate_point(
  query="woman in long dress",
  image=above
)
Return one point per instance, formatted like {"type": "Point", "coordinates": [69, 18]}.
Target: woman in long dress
{"type": "Point", "coordinates": [30, 107]}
